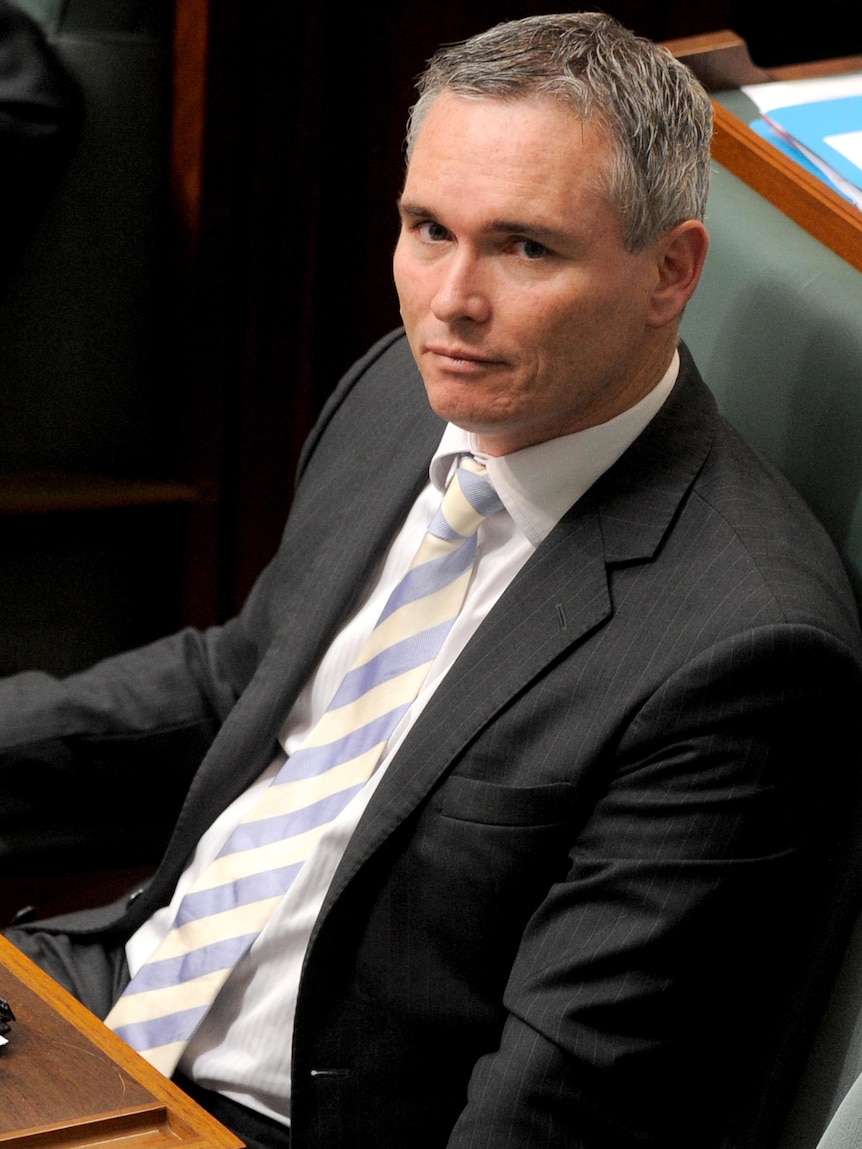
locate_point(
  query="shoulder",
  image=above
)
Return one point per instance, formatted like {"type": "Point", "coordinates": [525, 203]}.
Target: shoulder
{"type": "Point", "coordinates": [755, 523]}
{"type": "Point", "coordinates": [387, 372]}
{"type": "Point", "coordinates": [694, 514]}
{"type": "Point", "coordinates": [382, 390]}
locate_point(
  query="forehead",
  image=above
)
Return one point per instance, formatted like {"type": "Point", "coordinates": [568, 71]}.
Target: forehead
{"type": "Point", "coordinates": [527, 153]}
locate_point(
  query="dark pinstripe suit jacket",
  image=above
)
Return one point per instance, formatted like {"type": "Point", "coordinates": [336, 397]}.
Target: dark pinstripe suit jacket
{"type": "Point", "coordinates": [588, 884]}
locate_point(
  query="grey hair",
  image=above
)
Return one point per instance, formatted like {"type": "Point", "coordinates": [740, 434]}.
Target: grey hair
{"type": "Point", "coordinates": [657, 116]}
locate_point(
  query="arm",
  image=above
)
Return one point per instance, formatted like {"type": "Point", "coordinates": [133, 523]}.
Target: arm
{"type": "Point", "coordinates": [70, 748]}
{"type": "Point", "coordinates": [150, 713]}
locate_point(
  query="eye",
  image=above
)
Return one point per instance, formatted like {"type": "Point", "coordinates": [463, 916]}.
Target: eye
{"type": "Point", "coordinates": [531, 249]}
{"type": "Point", "coordinates": [432, 232]}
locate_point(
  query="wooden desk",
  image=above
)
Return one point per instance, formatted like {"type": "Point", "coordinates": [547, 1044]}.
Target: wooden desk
{"type": "Point", "coordinates": [66, 1080]}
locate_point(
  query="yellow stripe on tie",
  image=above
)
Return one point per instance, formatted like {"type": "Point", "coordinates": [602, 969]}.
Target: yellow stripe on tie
{"type": "Point", "coordinates": [137, 1007]}
{"type": "Point", "coordinates": [315, 773]}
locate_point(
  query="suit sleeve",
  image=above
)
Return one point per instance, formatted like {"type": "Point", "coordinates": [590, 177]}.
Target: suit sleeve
{"type": "Point", "coordinates": [70, 748]}
{"type": "Point", "coordinates": [149, 714]}
{"type": "Point", "coordinates": [656, 984]}
{"type": "Point", "coordinates": [183, 685]}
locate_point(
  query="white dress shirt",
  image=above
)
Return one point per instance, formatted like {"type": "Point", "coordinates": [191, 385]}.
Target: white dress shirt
{"type": "Point", "coordinates": [243, 1046]}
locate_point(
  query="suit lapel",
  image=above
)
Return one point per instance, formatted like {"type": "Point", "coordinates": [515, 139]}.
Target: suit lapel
{"type": "Point", "coordinates": [559, 598]}
{"type": "Point", "coordinates": [333, 567]}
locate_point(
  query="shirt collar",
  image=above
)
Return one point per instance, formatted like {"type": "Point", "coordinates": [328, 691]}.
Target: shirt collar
{"type": "Point", "coordinates": [539, 484]}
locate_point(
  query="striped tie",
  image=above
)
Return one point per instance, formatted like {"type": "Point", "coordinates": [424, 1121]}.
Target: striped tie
{"type": "Point", "coordinates": [231, 902]}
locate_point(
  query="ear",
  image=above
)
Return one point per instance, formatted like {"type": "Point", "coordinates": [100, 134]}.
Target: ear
{"type": "Point", "coordinates": [680, 255]}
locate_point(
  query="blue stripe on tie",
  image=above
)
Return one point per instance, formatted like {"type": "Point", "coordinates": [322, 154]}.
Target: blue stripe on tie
{"type": "Point", "coordinates": [162, 1030]}
{"type": "Point", "coordinates": [389, 663]}
{"type": "Point", "coordinates": [441, 528]}
{"type": "Point", "coordinates": [199, 904]}
{"type": "Point", "coordinates": [265, 831]}
{"type": "Point", "coordinates": [425, 577]}
{"type": "Point", "coordinates": [479, 493]}
{"type": "Point", "coordinates": [430, 577]}
{"type": "Point", "coordinates": [166, 972]}
{"type": "Point", "coordinates": [313, 760]}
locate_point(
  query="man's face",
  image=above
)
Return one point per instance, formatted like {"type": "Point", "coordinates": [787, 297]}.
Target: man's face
{"type": "Point", "coordinates": [525, 313]}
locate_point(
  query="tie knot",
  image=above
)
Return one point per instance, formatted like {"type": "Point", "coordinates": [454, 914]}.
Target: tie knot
{"type": "Point", "coordinates": [469, 498]}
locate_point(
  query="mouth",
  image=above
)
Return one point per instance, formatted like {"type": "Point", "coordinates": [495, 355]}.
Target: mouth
{"type": "Point", "coordinates": [461, 359]}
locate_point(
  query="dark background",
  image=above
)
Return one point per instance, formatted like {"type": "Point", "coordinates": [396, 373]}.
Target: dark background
{"type": "Point", "coordinates": [252, 201]}
{"type": "Point", "coordinates": [315, 104]}
{"type": "Point", "coordinates": [215, 256]}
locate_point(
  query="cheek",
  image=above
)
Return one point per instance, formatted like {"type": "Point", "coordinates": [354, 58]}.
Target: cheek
{"type": "Point", "coordinates": [397, 275]}
{"type": "Point", "coordinates": [574, 347]}
{"type": "Point", "coordinates": [563, 334]}
{"type": "Point", "coordinates": [591, 317]}
{"type": "Point", "coordinates": [401, 273]}
{"type": "Point", "coordinates": [409, 287]}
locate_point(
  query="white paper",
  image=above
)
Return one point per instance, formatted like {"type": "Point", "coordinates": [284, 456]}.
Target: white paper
{"type": "Point", "coordinates": [849, 144]}
{"type": "Point", "coordinates": [784, 94]}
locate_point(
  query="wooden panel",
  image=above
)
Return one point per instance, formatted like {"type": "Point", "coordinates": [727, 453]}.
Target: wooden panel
{"type": "Point", "coordinates": [719, 60]}
{"type": "Point", "coordinates": [801, 196]}
{"type": "Point", "coordinates": [35, 493]}
{"type": "Point", "coordinates": [66, 1080]}
{"type": "Point", "coordinates": [191, 32]}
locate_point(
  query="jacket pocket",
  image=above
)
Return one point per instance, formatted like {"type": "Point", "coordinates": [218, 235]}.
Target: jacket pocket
{"type": "Point", "coordinates": [475, 800]}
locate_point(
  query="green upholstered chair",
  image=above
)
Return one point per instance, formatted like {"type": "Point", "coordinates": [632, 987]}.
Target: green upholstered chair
{"type": "Point", "coordinates": [845, 1129]}
{"type": "Point", "coordinates": [776, 329]}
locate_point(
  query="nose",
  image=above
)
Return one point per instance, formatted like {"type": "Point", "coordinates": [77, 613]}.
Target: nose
{"type": "Point", "coordinates": [461, 292]}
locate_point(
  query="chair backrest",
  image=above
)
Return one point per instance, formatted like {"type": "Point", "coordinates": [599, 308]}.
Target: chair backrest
{"type": "Point", "coordinates": [829, 1098]}
{"type": "Point", "coordinates": [82, 346]}
{"type": "Point", "coordinates": [776, 329]}
{"type": "Point", "coordinates": [845, 1129]}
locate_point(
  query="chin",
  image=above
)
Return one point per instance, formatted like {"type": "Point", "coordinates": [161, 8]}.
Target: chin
{"type": "Point", "coordinates": [463, 417]}
{"type": "Point", "coordinates": [457, 403]}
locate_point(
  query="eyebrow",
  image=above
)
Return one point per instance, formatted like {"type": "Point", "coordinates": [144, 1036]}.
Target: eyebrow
{"type": "Point", "coordinates": [551, 236]}
{"type": "Point", "coordinates": [548, 235]}
{"type": "Point", "coordinates": [414, 210]}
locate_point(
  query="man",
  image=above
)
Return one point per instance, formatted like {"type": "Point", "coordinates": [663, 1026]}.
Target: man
{"type": "Point", "coordinates": [570, 900]}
